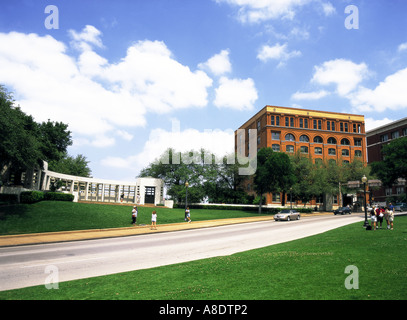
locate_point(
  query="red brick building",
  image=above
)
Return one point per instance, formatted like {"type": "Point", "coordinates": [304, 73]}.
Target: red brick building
{"type": "Point", "coordinates": [378, 138]}
{"type": "Point", "coordinates": [319, 134]}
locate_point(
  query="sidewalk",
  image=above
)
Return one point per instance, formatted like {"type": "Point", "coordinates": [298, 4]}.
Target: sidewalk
{"type": "Point", "coordinates": [50, 237]}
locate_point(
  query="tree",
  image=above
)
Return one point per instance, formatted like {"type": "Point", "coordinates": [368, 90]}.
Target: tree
{"type": "Point", "coordinates": [77, 166]}
{"type": "Point", "coordinates": [24, 143]}
{"type": "Point", "coordinates": [274, 173]}
{"type": "Point", "coordinates": [394, 165]}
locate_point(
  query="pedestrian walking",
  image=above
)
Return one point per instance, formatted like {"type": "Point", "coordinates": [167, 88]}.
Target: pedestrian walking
{"type": "Point", "coordinates": [188, 215]}
{"type": "Point", "coordinates": [134, 213]}
{"type": "Point", "coordinates": [154, 220]}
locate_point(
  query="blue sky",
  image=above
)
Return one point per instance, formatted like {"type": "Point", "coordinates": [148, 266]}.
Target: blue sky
{"type": "Point", "coordinates": [132, 78]}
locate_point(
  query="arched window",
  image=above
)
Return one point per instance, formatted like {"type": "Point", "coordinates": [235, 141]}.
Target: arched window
{"type": "Point", "coordinates": [289, 137]}
{"type": "Point", "coordinates": [304, 138]}
{"type": "Point", "coordinates": [318, 139]}
{"type": "Point", "coordinates": [331, 140]}
{"type": "Point", "coordinates": [345, 142]}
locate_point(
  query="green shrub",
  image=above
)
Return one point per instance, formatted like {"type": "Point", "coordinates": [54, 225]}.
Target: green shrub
{"type": "Point", "coordinates": [58, 196]}
{"type": "Point", "coordinates": [31, 196]}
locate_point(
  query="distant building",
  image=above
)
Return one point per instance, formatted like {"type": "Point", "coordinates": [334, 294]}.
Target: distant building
{"type": "Point", "coordinates": [322, 135]}
{"type": "Point", "coordinates": [376, 139]}
{"type": "Point", "coordinates": [141, 191]}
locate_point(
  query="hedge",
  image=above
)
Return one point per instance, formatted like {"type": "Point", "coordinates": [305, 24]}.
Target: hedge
{"type": "Point", "coordinates": [31, 196]}
{"type": "Point", "coordinates": [57, 196]}
{"type": "Point", "coordinates": [272, 210]}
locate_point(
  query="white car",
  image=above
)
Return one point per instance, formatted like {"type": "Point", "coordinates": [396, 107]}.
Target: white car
{"type": "Point", "coordinates": [288, 215]}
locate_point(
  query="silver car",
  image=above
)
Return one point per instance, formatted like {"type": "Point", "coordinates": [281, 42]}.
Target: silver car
{"type": "Point", "coordinates": [288, 215]}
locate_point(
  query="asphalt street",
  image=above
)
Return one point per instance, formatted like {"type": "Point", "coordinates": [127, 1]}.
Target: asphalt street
{"type": "Point", "coordinates": [29, 265]}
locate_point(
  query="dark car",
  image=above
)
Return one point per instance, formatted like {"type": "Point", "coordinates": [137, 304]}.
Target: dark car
{"type": "Point", "coordinates": [343, 210]}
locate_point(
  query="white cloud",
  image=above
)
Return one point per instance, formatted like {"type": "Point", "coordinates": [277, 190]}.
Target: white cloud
{"type": "Point", "coordinates": [371, 123]}
{"type": "Point", "coordinates": [218, 64]}
{"type": "Point", "coordinates": [389, 94]}
{"type": "Point", "coordinates": [402, 47]}
{"type": "Point", "coordinates": [261, 10]}
{"type": "Point", "coordinates": [277, 52]}
{"type": "Point", "coordinates": [240, 94]}
{"type": "Point", "coordinates": [328, 8]}
{"type": "Point", "coordinates": [345, 74]}
{"type": "Point", "coordinates": [94, 97]}
{"type": "Point", "coordinates": [89, 35]}
{"type": "Point", "coordinates": [310, 95]}
{"type": "Point", "coordinates": [217, 142]}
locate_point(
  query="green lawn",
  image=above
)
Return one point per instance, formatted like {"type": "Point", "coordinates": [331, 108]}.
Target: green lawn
{"type": "Point", "coordinates": [47, 216]}
{"type": "Point", "coordinates": [309, 268]}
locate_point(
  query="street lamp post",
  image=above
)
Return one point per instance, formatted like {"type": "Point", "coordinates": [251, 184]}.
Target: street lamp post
{"type": "Point", "coordinates": [364, 180]}
{"type": "Point", "coordinates": [186, 194]}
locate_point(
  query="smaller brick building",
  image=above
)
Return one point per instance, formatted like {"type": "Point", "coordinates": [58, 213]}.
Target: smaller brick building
{"type": "Point", "coordinates": [378, 138]}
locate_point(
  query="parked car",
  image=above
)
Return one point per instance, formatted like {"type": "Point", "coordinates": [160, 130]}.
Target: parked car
{"type": "Point", "coordinates": [287, 214]}
{"type": "Point", "coordinates": [400, 207]}
{"type": "Point", "coordinates": [343, 210]}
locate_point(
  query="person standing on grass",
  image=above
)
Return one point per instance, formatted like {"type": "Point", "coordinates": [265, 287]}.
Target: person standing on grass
{"type": "Point", "coordinates": [379, 215]}
{"type": "Point", "coordinates": [373, 219]}
{"type": "Point", "coordinates": [390, 219]}
{"type": "Point", "coordinates": [154, 220]}
{"type": "Point", "coordinates": [134, 215]}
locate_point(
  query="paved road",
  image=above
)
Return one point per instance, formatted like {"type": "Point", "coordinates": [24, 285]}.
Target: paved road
{"type": "Point", "coordinates": [24, 266]}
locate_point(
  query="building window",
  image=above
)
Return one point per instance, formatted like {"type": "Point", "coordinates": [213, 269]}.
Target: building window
{"type": "Point", "coordinates": [301, 123]}
{"type": "Point", "coordinates": [345, 152]}
{"type": "Point", "coordinates": [304, 149]}
{"type": "Point", "coordinates": [358, 153]}
{"type": "Point", "coordinates": [333, 126]}
{"type": "Point", "coordinates": [304, 138]}
{"type": "Point", "coordinates": [276, 147]}
{"type": "Point", "coordinates": [346, 127]}
{"type": "Point", "coordinates": [389, 191]}
{"type": "Point", "coordinates": [276, 197]}
{"type": "Point", "coordinates": [400, 190]}
{"type": "Point", "coordinates": [289, 137]}
{"type": "Point", "coordinates": [395, 135]}
{"type": "Point", "coordinates": [341, 126]}
{"type": "Point", "coordinates": [258, 140]}
{"type": "Point", "coordinates": [345, 142]}
{"type": "Point", "coordinates": [290, 149]}
{"type": "Point", "coordinates": [384, 137]}
{"type": "Point", "coordinates": [331, 140]}
{"type": "Point", "coordinates": [306, 123]}
{"type": "Point", "coordinates": [277, 120]}
{"type": "Point", "coordinates": [318, 161]}
{"type": "Point", "coordinates": [291, 122]}
{"type": "Point", "coordinates": [404, 132]}
{"type": "Point", "coordinates": [287, 121]}
{"type": "Point", "coordinates": [332, 152]}
{"type": "Point", "coordinates": [258, 125]}
{"type": "Point", "coordinates": [328, 125]}
{"type": "Point", "coordinates": [318, 139]}
{"type": "Point", "coordinates": [275, 136]}
{"type": "Point", "coordinates": [318, 150]}
{"type": "Point", "coordinates": [358, 142]}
